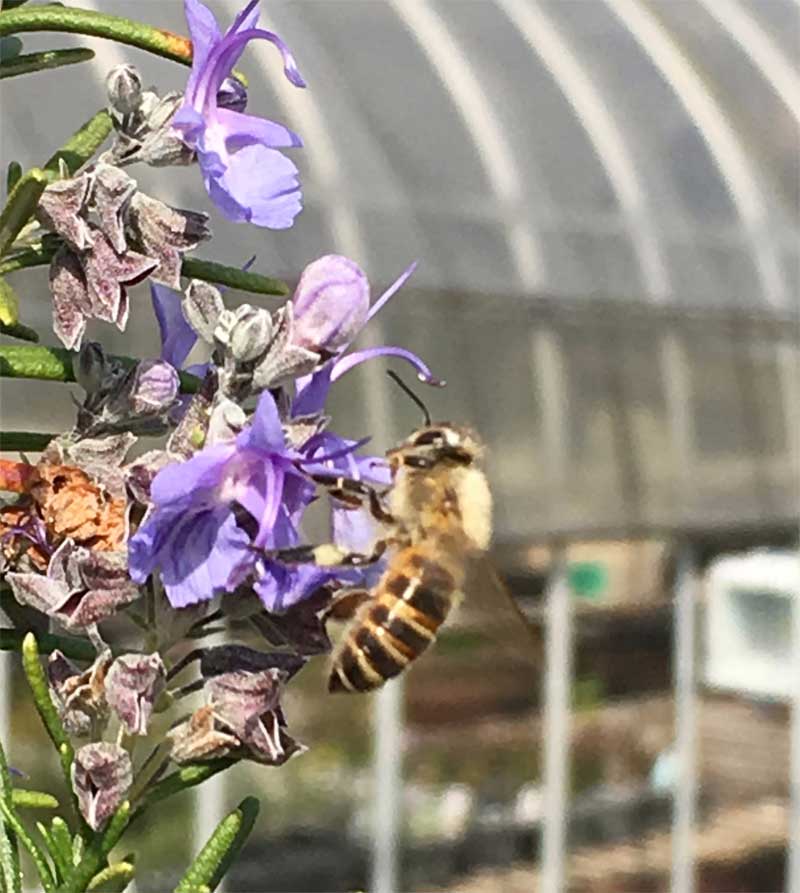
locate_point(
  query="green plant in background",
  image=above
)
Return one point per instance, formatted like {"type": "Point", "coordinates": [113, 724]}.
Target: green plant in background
{"type": "Point", "coordinates": [170, 544]}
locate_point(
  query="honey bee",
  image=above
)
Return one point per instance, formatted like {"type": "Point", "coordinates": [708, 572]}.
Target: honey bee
{"type": "Point", "coordinates": [439, 516]}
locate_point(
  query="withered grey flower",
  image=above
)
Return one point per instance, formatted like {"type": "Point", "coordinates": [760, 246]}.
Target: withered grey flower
{"type": "Point", "coordinates": [143, 127]}
{"type": "Point", "coordinates": [245, 331]}
{"type": "Point", "coordinates": [283, 358]}
{"type": "Point", "coordinates": [81, 587]}
{"type": "Point", "coordinates": [200, 737]}
{"type": "Point", "coordinates": [107, 274]}
{"type": "Point", "coordinates": [101, 778]}
{"type": "Point", "coordinates": [202, 307]}
{"type": "Point", "coordinates": [113, 190]}
{"type": "Point", "coordinates": [62, 209]}
{"type": "Point", "coordinates": [134, 683]}
{"type": "Point", "coordinates": [124, 87]}
{"type": "Point", "coordinates": [71, 304]}
{"type": "Point", "coordinates": [243, 717]}
{"type": "Point", "coordinates": [92, 285]}
{"type": "Point", "coordinates": [80, 695]}
{"type": "Point", "coordinates": [247, 703]}
{"type": "Point", "coordinates": [164, 233]}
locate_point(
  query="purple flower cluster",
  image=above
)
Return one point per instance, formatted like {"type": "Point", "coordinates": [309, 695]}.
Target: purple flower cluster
{"type": "Point", "coordinates": [249, 491]}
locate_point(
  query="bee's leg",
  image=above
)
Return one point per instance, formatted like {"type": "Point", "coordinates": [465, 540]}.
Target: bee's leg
{"type": "Point", "coordinates": [355, 494]}
{"type": "Point", "coordinates": [345, 605]}
{"type": "Point", "coordinates": [326, 555]}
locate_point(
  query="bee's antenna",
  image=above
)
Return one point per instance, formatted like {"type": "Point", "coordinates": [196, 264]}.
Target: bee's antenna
{"type": "Point", "coordinates": [404, 387]}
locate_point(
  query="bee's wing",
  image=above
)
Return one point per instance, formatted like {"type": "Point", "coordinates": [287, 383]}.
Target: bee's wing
{"type": "Point", "coordinates": [488, 608]}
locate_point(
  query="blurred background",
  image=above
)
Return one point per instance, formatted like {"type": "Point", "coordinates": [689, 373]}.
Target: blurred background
{"type": "Point", "coordinates": [603, 198]}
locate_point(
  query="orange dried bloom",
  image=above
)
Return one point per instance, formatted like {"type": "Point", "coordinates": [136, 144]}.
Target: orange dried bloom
{"type": "Point", "coordinates": [72, 505]}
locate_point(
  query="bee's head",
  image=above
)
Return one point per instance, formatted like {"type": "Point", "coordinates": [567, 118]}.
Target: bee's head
{"type": "Point", "coordinates": [437, 444]}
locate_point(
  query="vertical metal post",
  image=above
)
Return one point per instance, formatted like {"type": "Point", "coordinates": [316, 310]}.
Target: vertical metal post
{"type": "Point", "coordinates": [677, 391]}
{"type": "Point", "coordinates": [387, 800]}
{"type": "Point", "coordinates": [685, 791]}
{"type": "Point", "coordinates": [387, 708]}
{"type": "Point", "coordinates": [549, 380]}
{"type": "Point", "coordinates": [558, 680]}
{"type": "Point", "coordinates": [793, 856]}
{"type": "Point", "coordinates": [789, 369]}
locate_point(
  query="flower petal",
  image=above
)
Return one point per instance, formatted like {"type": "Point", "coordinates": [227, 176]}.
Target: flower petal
{"type": "Point", "coordinates": [392, 289]}
{"type": "Point", "coordinates": [174, 483]}
{"type": "Point", "coordinates": [312, 392]}
{"type": "Point", "coordinates": [262, 184]}
{"type": "Point", "coordinates": [196, 561]}
{"type": "Point", "coordinates": [177, 336]}
{"type": "Point", "coordinates": [346, 363]}
{"type": "Point", "coordinates": [242, 130]}
{"type": "Point", "coordinates": [205, 34]}
{"type": "Point", "coordinates": [266, 431]}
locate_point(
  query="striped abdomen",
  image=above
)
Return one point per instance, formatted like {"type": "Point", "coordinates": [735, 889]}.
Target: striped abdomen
{"type": "Point", "coordinates": [411, 601]}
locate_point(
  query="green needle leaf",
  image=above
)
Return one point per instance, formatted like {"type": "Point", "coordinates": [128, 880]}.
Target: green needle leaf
{"type": "Point", "coordinates": [220, 850]}
{"type": "Point", "coordinates": [25, 799]}
{"type": "Point", "coordinates": [30, 62]}
{"type": "Point", "coordinates": [44, 705]}
{"type": "Point", "coordinates": [61, 868]}
{"type": "Point", "coordinates": [77, 649]}
{"type": "Point", "coordinates": [13, 173]}
{"type": "Point", "coordinates": [20, 205]}
{"type": "Point", "coordinates": [191, 268]}
{"type": "Point", "coordinates": [36, 853]}
{"type": "Point", "coordinates": [81, 146]}
{"type": "Point", "coordinates": [113, 879]}
{"type": "Point", "coordinates": [24, 441]}
{"type": "Point", "coordinates": [62, 845]}
{"type": "Point", "coordinates": [98, 24]}
{"type": "Point", "coordinates": [55, 364]}
{"type": "Point", "coordinates": [195, 268]}
{"type": "Point", "coordinates": [97, 851]}
{"type": "Point", "coordinates": [10, 870]}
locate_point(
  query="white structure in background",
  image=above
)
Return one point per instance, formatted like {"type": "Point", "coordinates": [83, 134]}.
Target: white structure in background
{"type": "Point", "coordinates": [748, 630]}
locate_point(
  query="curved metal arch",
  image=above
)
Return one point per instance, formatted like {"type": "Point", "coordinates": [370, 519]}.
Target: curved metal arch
{"type": "Point", "coordinates": [723, 143]}
{"type": "Point", "coordinates": [591, 110]}
{"type": "Point", "coordinates": [760, 48]}
{"type": "Point", "coordinates": [319, 149]}
{"type": "Point", "coordinates": [332, 179]}
{"type": "Point", "coordinates": [472, 104]}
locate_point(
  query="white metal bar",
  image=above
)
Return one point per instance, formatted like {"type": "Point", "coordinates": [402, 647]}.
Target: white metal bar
{"type": "Point", "coordinates": [789, 370]}
{"type": "Point", "coordinates": [388, 775]}
{"type": "Point", "coordinates": [793, 856]}
{"type": "Point", "coordinates": [590, 106]}
{"type": "Point", "coordinates": [477, 110]}
{"type": "Point", "coordinates": [685, 792]}
{"type": "Point", "coordinates": [735, 165]}
{"type": "Point", "coordinates": [557, 685]}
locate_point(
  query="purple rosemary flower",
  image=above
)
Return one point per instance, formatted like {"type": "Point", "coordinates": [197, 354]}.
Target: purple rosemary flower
{"type": "Point", "coordinates": [244, 174]}
{"type": "Point", "coordinates": [331, 308]}
{"type": "Point", "coordinates": [208, 510]}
